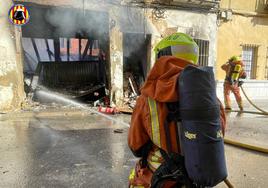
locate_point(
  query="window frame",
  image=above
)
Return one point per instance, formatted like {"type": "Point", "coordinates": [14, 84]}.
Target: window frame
{"type": "Point", "coordinates": [203, 45]}
{"type": "Point", "coordinates": [252, 58]}
{"type": "Point", "coordinates": [266, 65]}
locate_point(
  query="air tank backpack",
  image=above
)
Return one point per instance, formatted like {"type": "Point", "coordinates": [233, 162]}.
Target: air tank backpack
{"type": "Point", "coordinates": [200, 136]}
{"type": "Point", "coordinates": [234, 72]}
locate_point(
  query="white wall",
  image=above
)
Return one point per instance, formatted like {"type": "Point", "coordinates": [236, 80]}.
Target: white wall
{"type": "Point", "coordinates": [255, 89]}
{"type": "Point", "coordinates": [198, 25]}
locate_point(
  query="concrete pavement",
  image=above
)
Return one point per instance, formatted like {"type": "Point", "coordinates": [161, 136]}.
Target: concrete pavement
{"type": "Point", "coordinates": [72, 148]}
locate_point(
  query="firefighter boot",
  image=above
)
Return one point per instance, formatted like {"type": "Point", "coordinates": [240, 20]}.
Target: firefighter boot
{"type": "Point", "coordinates": [240, 105]}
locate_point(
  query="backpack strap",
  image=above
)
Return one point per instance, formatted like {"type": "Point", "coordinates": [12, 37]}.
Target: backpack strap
{"type": "Point", "coordinates": [172, 169]}
{"type": "Point", "coordinates": [167, 133]}
{"type": "Point", "coordinates": [173, 116]}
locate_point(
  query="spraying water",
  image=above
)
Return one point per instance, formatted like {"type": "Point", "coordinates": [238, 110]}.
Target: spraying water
{"type": "Point", "coordinates": [61, 98]}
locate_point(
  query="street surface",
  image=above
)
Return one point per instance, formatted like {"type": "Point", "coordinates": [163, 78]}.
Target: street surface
{"type": "Point", "coordinates": [73, 148]}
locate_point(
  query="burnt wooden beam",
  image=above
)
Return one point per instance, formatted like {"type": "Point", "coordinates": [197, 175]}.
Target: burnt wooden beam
{"type": "Point", "coordinates": [57, 49]}
{"type": "Point", "coordinates": [91, 47]}
{"type": "Point", "coordinates": [68, 49]}
{"type": "Point", "coordinates": [36, 50]}
{"type": "Point", "coordinates": [48, 50]}
{"type": "Point", "coordinates": [79, 48]}
{"type": "Point", "coordinates": [86, 50]}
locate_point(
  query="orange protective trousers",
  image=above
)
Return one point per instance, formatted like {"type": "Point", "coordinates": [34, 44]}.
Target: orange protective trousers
{"type": "Point", "coordinates": [236, 91]}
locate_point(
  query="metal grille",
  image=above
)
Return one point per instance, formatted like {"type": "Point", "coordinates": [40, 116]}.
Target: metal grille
{"type": "Point", "coordinates": [62, 75]}
{"type": "Point", "coordinates": [203, 51]}
{"type": "Point", "coordinates": [249, 57]}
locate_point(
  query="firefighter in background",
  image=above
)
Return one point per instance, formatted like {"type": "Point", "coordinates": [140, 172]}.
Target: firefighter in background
{"type": "Point", "coordinates": [147, 132]}
{"type": "Point", "coordinates": [234, 69]}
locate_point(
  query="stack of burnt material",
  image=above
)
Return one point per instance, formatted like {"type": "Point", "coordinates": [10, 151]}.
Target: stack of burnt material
{"type": "Point", "coordinates": [131, 92]}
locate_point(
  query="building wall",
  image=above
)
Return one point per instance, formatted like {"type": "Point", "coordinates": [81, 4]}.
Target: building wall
{"type": "Point", "coordinates": [11, 73]}
{"type": "Point", "coordinates": [248, 25]}
{"type": "Point", "coordinates": [116, 62]}
{"type": "Point", "coordinates": [124, 19]}
{"type": "Point", "coordinates": [138, 20]}
{"type": "Point", "coordinates": [239, 4]}
{"type": "Point", "coordinates": [255, 89]}
{"type": "Point", "coordinates": [242, 5]}
{"type": "Point", "coordinates": [198, 25]}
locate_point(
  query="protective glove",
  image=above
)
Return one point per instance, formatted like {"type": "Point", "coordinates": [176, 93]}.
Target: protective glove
{"type": "Point", "coordinates": [240, 83]}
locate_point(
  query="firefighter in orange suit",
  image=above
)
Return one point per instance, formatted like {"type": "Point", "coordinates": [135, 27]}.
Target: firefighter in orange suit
{"type": "Point", "coordinates": [147, 131]}
{"type": "Point", "coordinates": [234, 69]}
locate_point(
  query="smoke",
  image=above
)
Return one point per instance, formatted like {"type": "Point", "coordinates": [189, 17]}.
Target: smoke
{"type": "Point", "coordinates": [72, 22]}
{"type": "Point", "coordinates": [95, 23]}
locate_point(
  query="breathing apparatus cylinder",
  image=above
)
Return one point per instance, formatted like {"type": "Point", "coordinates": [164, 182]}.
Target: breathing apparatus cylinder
{"type": "Point", "coordinates": [201, 135]}
{"type": "Point", "coordinates": [234, 73]}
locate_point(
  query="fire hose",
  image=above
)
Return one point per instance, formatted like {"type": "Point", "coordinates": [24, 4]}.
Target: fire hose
{"type": "Point", "coordinates": [246, 146]}
{"type": "Point", "coordinates": [255, 106]}
{"type": "Point", "coordinates": [243, 145]}
{"type": "Point", "coordinates": [261, 111]}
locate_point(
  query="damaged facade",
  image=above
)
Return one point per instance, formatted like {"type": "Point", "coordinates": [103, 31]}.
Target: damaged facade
{"type": "Point", "coordinates": [11, 71]}
{"type": "Point", "coordinates": [82, 46]}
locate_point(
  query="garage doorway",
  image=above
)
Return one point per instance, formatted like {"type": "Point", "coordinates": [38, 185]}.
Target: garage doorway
{"type": "Point", "coordinates": [137, 54]}
{"type": "Point", "coordinates": [69, 58]}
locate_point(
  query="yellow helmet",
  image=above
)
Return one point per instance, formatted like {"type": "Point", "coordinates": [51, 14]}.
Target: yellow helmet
{"type": "Point", "coordinates": [179, 45]}
{"type": "Point", "coordinates": [235, 59]}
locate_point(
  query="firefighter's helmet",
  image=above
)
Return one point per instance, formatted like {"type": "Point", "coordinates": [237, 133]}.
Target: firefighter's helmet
{"type": "Point", "coordinates": [179, 45]}
{"type": "Point", "coordinates": [235, 58]}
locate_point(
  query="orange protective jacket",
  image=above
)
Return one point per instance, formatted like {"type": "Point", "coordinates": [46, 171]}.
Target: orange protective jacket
{"type": "Point", "coordinates": [161, 86]}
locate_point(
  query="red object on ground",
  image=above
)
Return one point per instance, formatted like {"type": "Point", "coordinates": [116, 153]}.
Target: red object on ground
{"type": "Point", "coordinates": [106, 100]}
{"type": "Point", "coordinates": [107, 110]}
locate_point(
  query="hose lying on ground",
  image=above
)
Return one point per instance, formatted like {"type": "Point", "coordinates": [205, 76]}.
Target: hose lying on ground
{"type": "Point", "coordinates": [243, 145]}
{"type": "Point", "coordinates": [246, 146]}
{"type": "Point", "coordinates": [263, 111]}
{"type": "Point", "coordinates": [245, 111]}
{"type": "Point", "coordinates": [228, 183]}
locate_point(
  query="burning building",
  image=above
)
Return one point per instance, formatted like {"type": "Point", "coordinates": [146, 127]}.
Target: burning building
{"type": "Point", "coordinates": [92, 49]}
